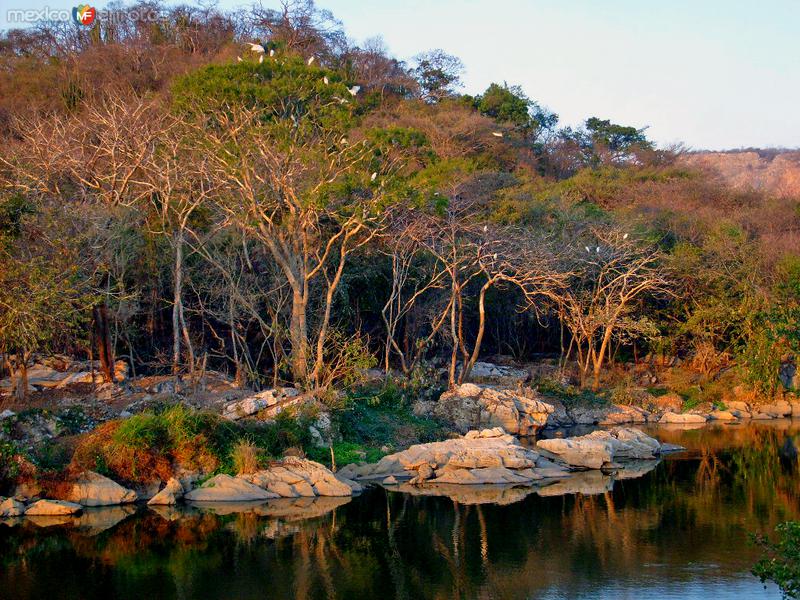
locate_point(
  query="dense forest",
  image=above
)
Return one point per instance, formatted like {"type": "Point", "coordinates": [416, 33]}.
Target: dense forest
{"type": "Point", "coordinates": [253, 193]}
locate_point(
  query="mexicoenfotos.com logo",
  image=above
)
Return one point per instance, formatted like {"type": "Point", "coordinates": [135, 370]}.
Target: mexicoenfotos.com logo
{"type": "Point", "coordinates": [83, 15]}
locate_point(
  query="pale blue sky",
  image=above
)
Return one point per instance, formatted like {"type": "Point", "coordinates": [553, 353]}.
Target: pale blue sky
{"type": "Point", "coordinates": [711, 73]}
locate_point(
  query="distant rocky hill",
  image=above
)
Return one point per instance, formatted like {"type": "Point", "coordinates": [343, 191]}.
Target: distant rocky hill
{"type": "Point", "coordinates": [774, 171]}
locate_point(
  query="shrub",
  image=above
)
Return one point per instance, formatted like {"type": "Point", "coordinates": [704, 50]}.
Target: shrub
{"type": "Point", "coordinates": [781, 563]}
{"type": "Point", "coordinates": [246, 457]}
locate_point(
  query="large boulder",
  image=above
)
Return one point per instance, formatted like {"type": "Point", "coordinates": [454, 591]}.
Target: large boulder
{"type": "Point", "coordinates": [224, 488]}
{"type": "Point", "coordinates": [93, 489]}
{"type": "Point", "coordinates": [602, 448]}
{"type": "Point", "coordinates": [169, 495]}
{"type": "Point", "coordinates": [777, 409]}
{"type": "Point", "coordinates": [471, 406]}
{"type": "Point", "coordinates": [296, 477]}
{"type": "Point", "coordinates": [10, 507]}
{"type": "Point", "coordinates": [52, 508]}
{"type": "Point", "coordinates": [673, 417]}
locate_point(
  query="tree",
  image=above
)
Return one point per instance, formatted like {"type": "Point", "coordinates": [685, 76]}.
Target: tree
{"type": "Point", "coordinates": [292, 179]}
{"type": "Point", "coordinates": [438, 74]}
{"type": "Point", "coordinates": [510, 105]}
{"type": "Point", "coordinates": [612, 271]}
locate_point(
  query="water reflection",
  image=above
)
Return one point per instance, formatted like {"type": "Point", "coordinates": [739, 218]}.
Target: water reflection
{"type": "Point", "coordinates": [678, 531]}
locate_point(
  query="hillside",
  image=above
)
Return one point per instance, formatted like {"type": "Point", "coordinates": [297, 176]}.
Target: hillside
{"type": "Point", "coordinates": [773, 172]}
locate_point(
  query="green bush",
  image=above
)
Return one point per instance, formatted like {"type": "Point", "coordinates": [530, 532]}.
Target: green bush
{"type": "Point", "coordinates": [781, 563]}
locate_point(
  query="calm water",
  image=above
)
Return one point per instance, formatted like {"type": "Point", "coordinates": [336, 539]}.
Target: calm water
{"type": "Point", "coordinates": [679, 531]}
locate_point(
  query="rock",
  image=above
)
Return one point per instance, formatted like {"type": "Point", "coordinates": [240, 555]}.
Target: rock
{"type": "Point", "coordinates": [602, 448]}
{"type": "Point", "coordinates": [760, 416]}
{"type": "Point", "coordinates": [671, 417]}
{"type": "Point", "coordinates": [788, 375]}
{"type": "Point", "coordinates": [737, 405]}
{"type": "Point", "coordinates": [224, 488]}
{"type": "Point", "coordinates": [795, 409]}
{"type": "Point", "coordinates": [481, 476]}
{"type": "Point", "coordinates": [619, 414]}
{"type": "Point", "coordinates": [295, 477]}
{"type": "Point", "coordinates": [92, 489]}
{"type": "Point", "coordinates": [588, 483]}
{"type": "Point", "coordinates": [172, 492]}
{"type": "Point", "coordinates": [489, 372]}
{"type": "Point", "coordinates": [49, 508]}
{"type": "Point", "coordinates": [777, 409]}
{"type": "Point", "coordinates": [10, 507]}
{"type": "Point", "coordinates": [721, 415]}
{"type": "Point", "coordinates": [321, 431]}
{"type": "Point", "coordinates": [7, 414]}
{"type": "Point", "coordinates": [390, 480]}
{"type": "Point", "coordinates": [257, 402]}
{"type": "Point", "coordinates": [472, 406]}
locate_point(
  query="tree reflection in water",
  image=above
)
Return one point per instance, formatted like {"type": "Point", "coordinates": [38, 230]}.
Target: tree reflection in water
{"type": "Point", "coordinates": [683, 526]}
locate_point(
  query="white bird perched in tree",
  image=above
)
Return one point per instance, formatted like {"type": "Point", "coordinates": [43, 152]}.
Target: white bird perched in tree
{"type": "Point", "coordinates": [272, 52]}
{"type": "Point", "coordinates": [258, 48]}
{"type": "Point", "coordinates": [239, 58]}
{"type": "Point", "coordinates": [625, 237]}
{"type": "Point", "coordinates": [494, 256]}
{"type": "Point", "coordinates": [341, 100]}
{"type": "Point", "coordinates": [343, 141]}
{"type": "Point", "coordinates": [597, 250]}
{"type": "Point", "coordinates": [354, 90]}
{"type": "Point", "coordinates": [310, 60]}
{"type": "Point", "coordinates": [485, 228]}
{"type": "Point", "coordinates": [260, 58]}
{"type": "Point", "coordinates": [587, 248]}
{"type": "Point", "coordinates": [497, 133]}
{"type": "Point", "coordinates": [325, 80]}
{"type": "Point", "coordinates": [373, 176]}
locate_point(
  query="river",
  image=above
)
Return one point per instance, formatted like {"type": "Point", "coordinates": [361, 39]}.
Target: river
{"type": "Point", "coordinates": [680, 530]}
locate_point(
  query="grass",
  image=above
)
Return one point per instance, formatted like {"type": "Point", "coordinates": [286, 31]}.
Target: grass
{"type": "Point", "coordinates": [151, 445]}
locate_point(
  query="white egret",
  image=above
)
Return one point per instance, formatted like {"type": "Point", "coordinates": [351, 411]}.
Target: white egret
{"type": "Point", "coordinates": [374, 175]}
{"type": "Point", "coordinates": [239, 58]}
{"type": "Point", "coordinates": [485, 228]}
{"type": "Point", "coordinates": [625, 237]}
{"type": "Point", "coordinates": [587, 248]}
{"type": "Point", "coordinates": [310, 60]}
{"type": "Point", "coordinates": [341, 100]}
{"type": "Point", "coordinates": [354, 90]}
{"type": "Point", "coordinates": [258, 48]}
{"type": "Point", "coordinates": [260, 58]}
{"type": "Point", "coordinates": [597, 250]}
{"type": "Point", "coordinates": [325, 80]}
{"type": "Point", "coordinates": [343, 141]}
{"type": "Point", "coordinates": [497, 134]}
{"type": "Point", "coordinates": [272, 52]}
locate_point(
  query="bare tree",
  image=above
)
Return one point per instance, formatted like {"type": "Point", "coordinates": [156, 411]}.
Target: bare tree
{"type": "Point", "coordinates": [612, 270]}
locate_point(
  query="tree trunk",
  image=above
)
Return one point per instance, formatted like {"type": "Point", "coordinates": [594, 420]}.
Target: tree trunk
{"type": "Point", "coordinates": [177, 303]}
{"type": "Point", "coordinates": [102, 334]}
{"type": "Point", "coordinates": [298, 336]}
{"type": "Point", "coordinates": [21, 378]}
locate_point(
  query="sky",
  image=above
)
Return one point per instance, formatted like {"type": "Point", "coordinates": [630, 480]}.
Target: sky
{"type": "Point", "coordinates": [712, 74]}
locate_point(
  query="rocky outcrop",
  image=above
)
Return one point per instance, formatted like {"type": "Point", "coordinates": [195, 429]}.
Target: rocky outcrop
{"type": "Point", "coordinates": [9, 507]}
{"type": "Point", "coordinates": [471, 406]}
{"type": "Point", "coordinates": [602, 448]}
{"type": "Point", "coordinates": [92, 489]}
{"type": "Point", "coordinates": [169, 495]}
{"type": "Point", "coordinates": [224, 488]}
{"type": "Point", "coordinates": [486, 372]}
{"type": "Point", "coordinates": [482, 457]}
{"type": "Point", "coordinates": [52, 508]}
{"type": "Point", "coordinates": [268, 399]}
{"type": "Point", "coordinates": [295, 477]}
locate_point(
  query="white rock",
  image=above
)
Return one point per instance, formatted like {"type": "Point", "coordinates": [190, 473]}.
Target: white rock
{"type": "Point", "coordinates": [92, 489]}
{"type": "Point", "coordinates": [48, 508]}
{"type": "Point", "coordinates": [11, 508]}
{"type": "Point", "coordinates": [224, 488]}
{"type": "Point", "coordinates": [671, 417]}
{"type": "Point", "coordinates": [170, 494]}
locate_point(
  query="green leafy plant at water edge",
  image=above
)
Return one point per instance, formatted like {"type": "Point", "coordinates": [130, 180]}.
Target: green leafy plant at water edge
{"type": "Point", "coordinates": [782, 561]}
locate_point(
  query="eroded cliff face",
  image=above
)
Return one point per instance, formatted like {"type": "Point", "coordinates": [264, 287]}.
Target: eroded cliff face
{"type": "Point", "coordinates": [774, 172]}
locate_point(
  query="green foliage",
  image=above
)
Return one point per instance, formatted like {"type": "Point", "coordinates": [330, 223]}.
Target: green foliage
{"type": "Point", "coordinates": [617, 138]}
{"type": "Point", "coordinates": [569, 395]}
{"type": "Point", "coordinates": [781, 564]}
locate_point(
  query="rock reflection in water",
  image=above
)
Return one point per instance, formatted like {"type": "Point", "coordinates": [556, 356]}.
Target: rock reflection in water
{"type": "Point", "coordinates": [679, 530]}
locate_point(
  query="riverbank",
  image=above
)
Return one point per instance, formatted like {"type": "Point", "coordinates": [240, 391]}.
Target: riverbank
{"type": "Point", "coordinates": [680, 529]}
